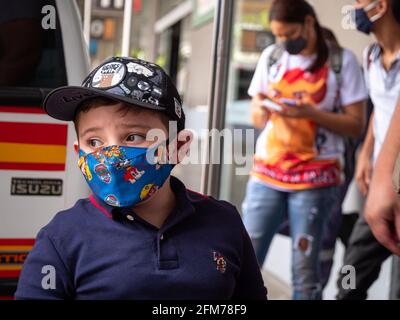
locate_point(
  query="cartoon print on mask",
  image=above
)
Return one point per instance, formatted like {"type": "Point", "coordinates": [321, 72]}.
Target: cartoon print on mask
{"type": "Point", "coordinates": [114, 152]}
{"type": "Point", "coordinates": [132, 174]}
{"type": "Point", "coordinates": [112, 200]}
{"type": "Point", "coordinates": [103, 173]}
{"type": "Point", "coordinates": [148, 190]}
{"type": "Point", "coordinates": [82, 164]}
{"type": "Point", "coordinates": [124, 176]}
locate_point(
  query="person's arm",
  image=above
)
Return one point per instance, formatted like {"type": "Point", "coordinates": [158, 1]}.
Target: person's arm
{"type": "Point", "coordinates": [250, 284]}
{"type": "Point", "coordinates": [44, 274]}
{"type": "Point", "coordinates": [382, 210]}
{"type": "Point", "coordinates": [349, 123]}
{"type": "Point", "coordinates": [364, 160]}
{"type": "Point", "coordinates": [258, 90]}
{"type": "Point", "coordinates": [259, 114]}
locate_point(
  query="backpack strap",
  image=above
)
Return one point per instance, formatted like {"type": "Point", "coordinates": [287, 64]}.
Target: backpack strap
{"type": "Point", "coordinates": [275, 55]}
{"type": "Point", "coordinates": [336, 63]}
{"type": "Point", "coordinates": [371, 49]}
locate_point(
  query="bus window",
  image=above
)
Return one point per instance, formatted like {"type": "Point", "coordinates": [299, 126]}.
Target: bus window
{"type": "Point", "coordinates": [30, 55]}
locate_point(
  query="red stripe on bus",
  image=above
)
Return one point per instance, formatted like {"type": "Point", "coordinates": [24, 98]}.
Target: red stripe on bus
{"type": "Point", "coordinates": [35, 133]}
{"type": "Point", "coordinates": [17, 109]}
{"type": "Point", "coordinates": [17, 242]}
{"type": "Point", "coordinates": [32, 166]}
{"type": "Point", "coordinates": [10, 274]}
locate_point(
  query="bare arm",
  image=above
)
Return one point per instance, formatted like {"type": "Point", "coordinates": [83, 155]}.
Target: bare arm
{"type": "Point", "coordinates": [363, 172]}
{"type": "Point", "coordinates": [259, 114]}
{"type": "Point", "coordinates": [349, 123]}
{"type": "Point", "coordinates": [382, 210]}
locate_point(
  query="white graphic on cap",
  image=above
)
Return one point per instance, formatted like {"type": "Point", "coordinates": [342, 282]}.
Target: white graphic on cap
{"type": "Point", "coordinates": [127, 91]}
{"type": "Point", "coordinates": [143, 85]}
{"type": "Point", "coordinates": [139, 69]}
{"type": "Point", "coordinates": [109, 75]}
{"type": "Point", "coordinates": [178, 108]}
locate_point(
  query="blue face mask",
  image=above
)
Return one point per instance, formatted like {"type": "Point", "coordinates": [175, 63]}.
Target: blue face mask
{"type": "Point", "coordinates": [363, 22]}
{"type": "Point", "coordinates": [124, 176]}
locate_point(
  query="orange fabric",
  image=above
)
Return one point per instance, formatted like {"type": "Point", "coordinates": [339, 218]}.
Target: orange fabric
{"type": "Point", "coordinates": [290, 143]}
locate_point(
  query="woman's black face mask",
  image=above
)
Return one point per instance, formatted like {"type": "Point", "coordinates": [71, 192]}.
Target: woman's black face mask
{"type": "Point", "coordinates": [295, 46]}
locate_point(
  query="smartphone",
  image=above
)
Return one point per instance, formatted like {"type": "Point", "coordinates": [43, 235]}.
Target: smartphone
{"type": "Point", "coordinates": [288, 102]}
{"type": "Point", "coordinates": [271, 105]}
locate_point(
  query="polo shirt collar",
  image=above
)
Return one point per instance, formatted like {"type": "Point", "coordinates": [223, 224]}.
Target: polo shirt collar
{"type": "Point", "coordinates": [183, 208]}
{"type": "Point", "coordinates": [376, 53]}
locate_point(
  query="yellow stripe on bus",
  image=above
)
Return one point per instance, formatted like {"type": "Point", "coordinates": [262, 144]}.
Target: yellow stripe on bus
{"type": "Point", "coordinates": [11, 267]}
{"type": "Point", "coordinates": [15, 248]}
{"type": "Point", "coordinates": [32, 153]}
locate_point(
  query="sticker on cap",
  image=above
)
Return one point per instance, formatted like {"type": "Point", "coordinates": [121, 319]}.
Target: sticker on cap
{"type": "Point", "coordinates": [139, 69]}
{"type": "Point", "coordinates": [178, 108]}
{"type": "Point", "coordinates": [109, 75]}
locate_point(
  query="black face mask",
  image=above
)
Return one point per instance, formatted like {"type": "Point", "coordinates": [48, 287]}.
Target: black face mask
{"type": "Point", "coordinates": [295, 46]}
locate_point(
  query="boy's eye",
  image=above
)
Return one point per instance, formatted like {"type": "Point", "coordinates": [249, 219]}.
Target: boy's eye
{"type": "Point", "coordinates": [95, 143]}
{"type": "Point", "coordinates": [135, 138]}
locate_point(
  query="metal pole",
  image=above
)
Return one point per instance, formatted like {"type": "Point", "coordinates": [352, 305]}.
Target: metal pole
{"type": "Point", "coordinates": [126, 28]}
{"type": "Point", "coordinates": [87, 13]}
{"type": "Point", "coordinates": [211, 176]}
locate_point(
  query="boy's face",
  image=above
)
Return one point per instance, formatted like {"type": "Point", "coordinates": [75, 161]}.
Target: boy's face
{"type": "Point", "coordinates": [104, 126]}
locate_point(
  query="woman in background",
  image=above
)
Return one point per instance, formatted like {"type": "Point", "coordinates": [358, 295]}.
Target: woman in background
{"type": "Point", "coordinates": [298, 160]}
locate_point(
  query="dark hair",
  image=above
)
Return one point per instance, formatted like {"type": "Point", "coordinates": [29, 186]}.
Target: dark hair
{"type": "Point", "coordinates": [395, 4]}
{"type": "Point", "coordinates": [330, 37]}
{"type": "Point", "coordinates": [296, 11]}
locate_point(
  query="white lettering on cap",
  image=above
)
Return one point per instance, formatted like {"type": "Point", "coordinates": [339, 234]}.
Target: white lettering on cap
{"type": "Point", "coordinates": [109, 75]}
{"type": "Point", "coordinates": [178, 108]}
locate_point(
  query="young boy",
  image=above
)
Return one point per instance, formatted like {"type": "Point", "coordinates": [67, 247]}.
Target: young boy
{"type": "Point", "coordinates": [141, 234]}
{"type": "Point", "coordinates": [381, 69]}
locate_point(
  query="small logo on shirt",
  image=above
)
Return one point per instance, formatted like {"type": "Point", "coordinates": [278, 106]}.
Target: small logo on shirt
{"type": "Point", "coordinates": [220, 262]}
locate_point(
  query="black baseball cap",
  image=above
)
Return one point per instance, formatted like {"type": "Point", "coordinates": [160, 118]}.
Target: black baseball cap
{"type": "Point", "coordinates": [130, 80]}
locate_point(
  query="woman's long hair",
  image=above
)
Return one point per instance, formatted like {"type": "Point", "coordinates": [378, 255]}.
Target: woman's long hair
{"type": "Point", "coordinates": [296, 11]}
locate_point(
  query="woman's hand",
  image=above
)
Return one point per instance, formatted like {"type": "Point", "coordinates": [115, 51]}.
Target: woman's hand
{"type": "Point", "coordinates": [298, 111]}
{"type": "Point", "coordinates": [259, 114]}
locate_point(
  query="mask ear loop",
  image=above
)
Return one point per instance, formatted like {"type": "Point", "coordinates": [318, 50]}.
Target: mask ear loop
{"type": "Point", "coordinates": [371, 6]}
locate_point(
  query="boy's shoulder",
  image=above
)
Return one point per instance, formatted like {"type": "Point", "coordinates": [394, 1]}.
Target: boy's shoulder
{"type": "Point", "coordinates": [70, 219]}
{"type": "Point", "coordinates": [212, 208]}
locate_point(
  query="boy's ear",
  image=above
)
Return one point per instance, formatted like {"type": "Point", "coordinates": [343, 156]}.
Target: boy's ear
{"type": "Point", "coordinates": [76, 146]}
{"type": "Point", "coordinates": [383, 6]}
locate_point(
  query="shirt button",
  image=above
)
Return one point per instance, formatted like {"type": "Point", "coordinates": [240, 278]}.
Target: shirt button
{"type": "Point", "coordinates": [129, 217]}
{"type": "Point", "coordinates": [162, 237]}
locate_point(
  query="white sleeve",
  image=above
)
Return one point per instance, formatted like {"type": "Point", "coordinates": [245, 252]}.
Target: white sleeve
{"type": "Point", "coordinates": [365, 66]}
{"type": "Point", "coordinates": [353, 87]}
{"type": "Point", "coordinates": [259, 83]}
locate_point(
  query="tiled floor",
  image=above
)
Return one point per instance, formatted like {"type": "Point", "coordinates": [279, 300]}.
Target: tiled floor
{"type": "Point", "coordinates": [277, 289]}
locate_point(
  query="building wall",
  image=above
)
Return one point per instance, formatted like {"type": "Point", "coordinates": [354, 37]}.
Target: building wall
{"type": "Point", "coordinates": [200, 65]}
{"type": "Point", "coordinates": [331, 15]}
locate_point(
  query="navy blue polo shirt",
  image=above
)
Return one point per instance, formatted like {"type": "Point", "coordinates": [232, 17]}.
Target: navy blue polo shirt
{"type": "Point", "coordinates": [202, 251]}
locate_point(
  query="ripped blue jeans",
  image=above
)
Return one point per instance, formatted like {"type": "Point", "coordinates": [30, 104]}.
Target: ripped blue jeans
{"type": "Point", "coordinates": [264, 210]}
